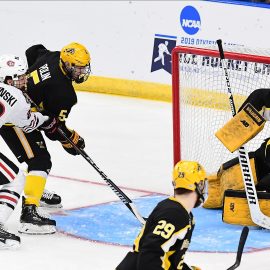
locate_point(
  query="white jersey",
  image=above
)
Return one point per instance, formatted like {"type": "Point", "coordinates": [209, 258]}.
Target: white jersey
{"type": "Point", "coordinates": [16, 110]}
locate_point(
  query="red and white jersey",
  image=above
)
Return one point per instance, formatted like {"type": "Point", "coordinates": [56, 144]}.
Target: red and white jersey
{"type": "Point", "coordinates": [16, 110]}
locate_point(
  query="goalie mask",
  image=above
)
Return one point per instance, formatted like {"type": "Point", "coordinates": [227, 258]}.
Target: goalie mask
{"type": "Point", "coordinates": [75, 62]}
{"type": "Point", "coordinates": [190, 175]}
{"type": "Point", "coordinates": [13, 68]}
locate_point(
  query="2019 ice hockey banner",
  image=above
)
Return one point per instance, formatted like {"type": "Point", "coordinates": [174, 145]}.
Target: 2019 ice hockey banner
{"type": "Point", "coordinates": [190, 23]}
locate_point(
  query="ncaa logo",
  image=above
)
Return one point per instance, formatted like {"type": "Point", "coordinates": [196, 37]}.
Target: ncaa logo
{"type": "Point", "coordinates": [190, 20]}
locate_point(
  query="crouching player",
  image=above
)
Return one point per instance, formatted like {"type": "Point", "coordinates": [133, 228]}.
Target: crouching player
{"type": "Point", "coordinates": [16, 110]}
{"type": "Point", "coordinates": [164, 239]}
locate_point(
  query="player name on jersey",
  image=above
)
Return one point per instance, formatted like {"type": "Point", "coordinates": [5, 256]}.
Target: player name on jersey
{"type": "Point", "coordinates": [44, 72]}
{"type": "Point", "coordinates": [5, 95]}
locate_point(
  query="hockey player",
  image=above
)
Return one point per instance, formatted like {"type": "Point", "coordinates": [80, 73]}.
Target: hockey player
{"type": "Point", "coordinates": [164, 239]}
{"type": "Point", "coordinates": [50, 78]}
{"type": "Point", "coordinates": [13, 109]}
{"type": "Point", "coordinates": [226, 187]}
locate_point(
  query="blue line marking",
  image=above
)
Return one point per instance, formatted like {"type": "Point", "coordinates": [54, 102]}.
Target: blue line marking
{"type": "Point", "coordinates": [165, 36]}
{"type": "Point", "coordinates": [114, 223]}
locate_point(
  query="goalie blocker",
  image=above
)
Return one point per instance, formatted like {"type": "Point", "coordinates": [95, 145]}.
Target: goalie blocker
{"type": "Point", "coordinates": [241, 128]}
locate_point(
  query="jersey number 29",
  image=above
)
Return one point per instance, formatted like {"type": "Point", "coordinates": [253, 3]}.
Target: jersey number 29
{"type": "Point", "coordinates": [164, 229]}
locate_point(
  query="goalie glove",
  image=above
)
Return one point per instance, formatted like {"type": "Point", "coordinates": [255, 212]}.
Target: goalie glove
{"type": "Point", "coordinates": [77, 140]}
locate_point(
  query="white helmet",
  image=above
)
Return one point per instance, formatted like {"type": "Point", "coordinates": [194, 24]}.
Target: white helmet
{"type": "Point", "coordinates": [11, 66]}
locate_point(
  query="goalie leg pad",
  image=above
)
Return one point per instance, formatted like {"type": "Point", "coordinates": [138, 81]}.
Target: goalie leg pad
{"type": "Point", "coordinates": [231, 177]}
{"type": "Point", "coordinates": [214, 199]}
{"type": "Point", "coordinates": [236, 210]}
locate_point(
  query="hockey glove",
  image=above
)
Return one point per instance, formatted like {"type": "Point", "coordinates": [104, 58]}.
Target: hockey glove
{"type": "Point", "coordinates": [50, 128]}
{"type": "Point", "coordinates": [77, 140]}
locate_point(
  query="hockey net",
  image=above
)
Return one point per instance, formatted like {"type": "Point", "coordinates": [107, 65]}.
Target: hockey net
{"type": "Point", "coordinates": [200, 99]}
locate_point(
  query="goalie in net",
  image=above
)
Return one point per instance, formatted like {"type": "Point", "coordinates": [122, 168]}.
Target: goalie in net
{"type": "Point", "coordinates": [226, 188]}
{"type": "Point", "coordinates": [201, 107]}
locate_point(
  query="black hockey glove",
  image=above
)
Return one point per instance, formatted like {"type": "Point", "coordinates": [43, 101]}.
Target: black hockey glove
{"type": "Point", "coordinates": [77, 140]}
{"type": "Point", "coordinates": [50, 128]}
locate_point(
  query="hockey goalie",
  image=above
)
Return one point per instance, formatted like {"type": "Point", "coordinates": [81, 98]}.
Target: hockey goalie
{"type": "Point", "coordinates": [226, 187]}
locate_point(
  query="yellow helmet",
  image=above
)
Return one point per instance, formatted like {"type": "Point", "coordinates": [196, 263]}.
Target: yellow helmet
{"type": "Point", "coordinates": [187, 174]}
{"type": "Point", "coordinates": [75, 62]}
{"type": "Point", "coordinates": [190, 175]}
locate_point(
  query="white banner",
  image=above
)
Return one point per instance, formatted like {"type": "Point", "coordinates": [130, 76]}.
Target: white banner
{"type": "Point", "coordinates": [121, 34]}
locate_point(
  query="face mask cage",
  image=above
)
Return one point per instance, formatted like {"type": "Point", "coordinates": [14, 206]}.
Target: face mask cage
{"type": "Point", "coordinates": [20, 82]}
{"type": "Point", "coordinates": [17, 81]}
{"type": "Point", "coordinates": [200, 189]}
{"type": "Point", "coordinates": [78, 74]}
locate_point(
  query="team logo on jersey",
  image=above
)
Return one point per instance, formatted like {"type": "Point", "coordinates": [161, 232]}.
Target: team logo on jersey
{"type": "Point", "coordinates": [190, 20]}
{"type": "Point", "coordinates": [10, 63]}
{"type": "Point", "coordinates": [161, 58]}
{"type": "Point", "coordinates": [40, 145]}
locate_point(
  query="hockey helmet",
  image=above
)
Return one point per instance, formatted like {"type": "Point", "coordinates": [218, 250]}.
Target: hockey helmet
{"type": "Point", "coordinates": [75, 62]}
{"type": "Point", "coordinates": [190, 175]}
{"type": "Point", "coordinates": [12, 67]}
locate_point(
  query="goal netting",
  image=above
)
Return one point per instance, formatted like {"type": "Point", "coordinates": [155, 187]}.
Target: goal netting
{"type": "Point", "coordinates": [200, 99]}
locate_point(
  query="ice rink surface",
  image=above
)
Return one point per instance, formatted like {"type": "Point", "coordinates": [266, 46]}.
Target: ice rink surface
{"type": "Point", "coordinates": [131, 141]}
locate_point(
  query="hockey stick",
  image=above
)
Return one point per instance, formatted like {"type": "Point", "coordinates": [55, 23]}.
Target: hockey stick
{"type": "Point", "coordinates": [242, 241]}
{"type": "Point", "coordinates": [121, 195]}
{"type": "Point", "coordinates": [255, 212]}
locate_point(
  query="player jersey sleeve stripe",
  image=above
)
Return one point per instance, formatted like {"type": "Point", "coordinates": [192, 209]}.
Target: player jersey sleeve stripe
{"type": "Point", "coordinates": [177, 235]}
{"type": "Point", "coordinates": [137, 240]}
{"type": "Point", "coordinates": [6, 171]}
{"type": "Point", "coordinates": [24, 142]}
{"type": "Point", "coordinates": [166, 264]}
{"type": "Point", "coordinates": [8, 198]}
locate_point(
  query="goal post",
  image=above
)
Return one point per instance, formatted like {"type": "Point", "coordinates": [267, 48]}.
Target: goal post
{"type": "Point", "coordinates": [200, 99]}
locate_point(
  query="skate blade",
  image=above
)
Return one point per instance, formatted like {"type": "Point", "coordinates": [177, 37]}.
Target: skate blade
{"type": "Point", "coordinates": [10, 244]}
{"type": "Point", "coordinates": [27, 228]}
{"type": "Point", "coordinates": [50, 206]}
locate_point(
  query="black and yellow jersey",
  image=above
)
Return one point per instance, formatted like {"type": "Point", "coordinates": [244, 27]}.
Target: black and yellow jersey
{"type": "Point", "coordinates": [164, 239]}
{"type": "Point", "coordinates": [47, 85]}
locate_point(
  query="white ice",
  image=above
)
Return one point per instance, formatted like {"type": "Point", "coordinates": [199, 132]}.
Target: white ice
{"type": "Point", "coordinates": [131, 141]}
